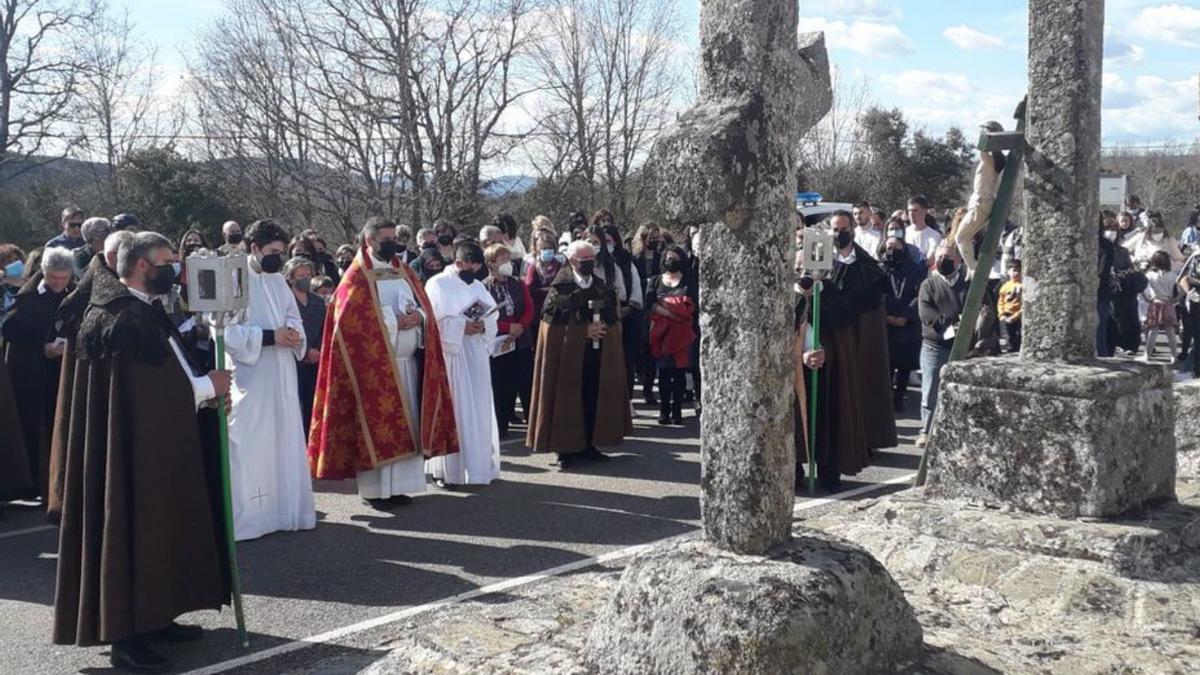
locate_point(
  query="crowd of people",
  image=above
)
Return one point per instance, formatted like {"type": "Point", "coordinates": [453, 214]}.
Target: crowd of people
{"type": "Point", "coordinates": [400, 359]}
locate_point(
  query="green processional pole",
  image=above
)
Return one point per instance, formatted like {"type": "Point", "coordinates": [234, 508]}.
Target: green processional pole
{"type": "Point", "coordinates": [816, 261]}
{"type": "Point", "coordinates": [1014, 143]}
{"type": "Point", "coordinates": [217, 288]}
{"type": "Point", "coordinates": [812, 415]}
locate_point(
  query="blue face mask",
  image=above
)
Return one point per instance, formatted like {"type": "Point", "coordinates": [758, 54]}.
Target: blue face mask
{"type": "Point", "coordinates": [547, 255]}
{"type": "Point", "coordinates": [177, 266]}
{"type": "Point", "coordinates": [15, 269]}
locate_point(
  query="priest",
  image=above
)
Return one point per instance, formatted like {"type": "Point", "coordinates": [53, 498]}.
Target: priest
{"type": "Point", "coordinates": [579, 397]}
{"type": "Point", "coordinates": [70, 313]}
{"type": "Point", "coordinates": [271, 486]}
{"type": "Point", "coordinates": [383, 403]}
{"type": "Point", "coordinates": [854, 406]}
{"type": "Point", "coordinates": [139, 539]}
{"type": "Point", "coordinates": [34, 353]}
{"type": "Point", "coordinates": [468, 322]}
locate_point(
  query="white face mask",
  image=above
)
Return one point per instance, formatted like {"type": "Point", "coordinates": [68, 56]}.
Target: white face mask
{"type": "Point", "coordinates": [611, 247]}
{"type": "Point", "coordinates": [504, 270]}
{"type": "Point", "coordinates": [1110, 235]}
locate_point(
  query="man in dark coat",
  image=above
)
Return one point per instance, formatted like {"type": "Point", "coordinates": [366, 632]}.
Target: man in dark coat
{"type": "Point", "coordinates": [904, 275]}
{"type": "Point", "coordinates": [139, 539]}
{"type": "Point", "coordinates": [854, 411]}
{"type": "Point", "coordinates": [579, 396]}
{"type": "Point", "coordinates": [34, 354]}
{"type": "Point", "coordinates": [67, 320]}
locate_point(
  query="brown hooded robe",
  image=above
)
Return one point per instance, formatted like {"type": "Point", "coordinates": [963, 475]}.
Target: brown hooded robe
{"type": "Point", "coordinates": [16, 477]}
{"type": "Point", "coordinates": [556, 421]}
{"type": "Point", "coordinates": [138, 545]}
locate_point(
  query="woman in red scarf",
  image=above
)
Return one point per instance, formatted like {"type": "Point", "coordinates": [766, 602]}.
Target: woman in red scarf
{"type": "Point", "coordinates": [672, 302]}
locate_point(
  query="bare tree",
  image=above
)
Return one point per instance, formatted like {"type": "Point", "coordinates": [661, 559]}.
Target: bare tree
{"type": "Point", "coordinates": [118, 108]}
{"type": "Point", "coordinates": [38, 78]}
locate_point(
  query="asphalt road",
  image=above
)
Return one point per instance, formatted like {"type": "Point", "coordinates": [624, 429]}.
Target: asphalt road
{"type": "Point", "coordinates": [326, 599]}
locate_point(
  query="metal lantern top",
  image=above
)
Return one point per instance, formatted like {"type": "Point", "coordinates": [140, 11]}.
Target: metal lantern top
{"type": "Point", "coordinates": [217, 284]}
{"type": "Point", "coordinates": [816, 249]}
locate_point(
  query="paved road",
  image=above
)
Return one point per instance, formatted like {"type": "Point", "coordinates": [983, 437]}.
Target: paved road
{"type": "Point", "coordinates": [360, 565]}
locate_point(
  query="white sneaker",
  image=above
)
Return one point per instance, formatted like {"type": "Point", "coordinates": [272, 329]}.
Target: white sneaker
{"type": "Point", "coordinates": [922, 439]}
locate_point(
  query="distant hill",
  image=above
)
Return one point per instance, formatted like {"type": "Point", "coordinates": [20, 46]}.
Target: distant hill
{"type": "Point", "coordinates": [64, 171]}
{"type": "Point", "coordinates": [504, 186]}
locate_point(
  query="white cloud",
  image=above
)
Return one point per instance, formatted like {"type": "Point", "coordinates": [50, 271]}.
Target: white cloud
{"type": "Point", "coordinates": [1118, 52]}
{"type": "Point", "coordinates": [868, 38]}
{"type": "Point", "coordinates": [969, 39]}
{"type": "Point", "coordinates": [1174, 24]}
{"type": "Point", "coordinates": [1151, 108]}
{"type": "Point", "coordinates": [930, 88]}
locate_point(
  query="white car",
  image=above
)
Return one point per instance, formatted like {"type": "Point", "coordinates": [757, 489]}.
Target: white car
{"type": "Point", "coordinates": [814, 210]}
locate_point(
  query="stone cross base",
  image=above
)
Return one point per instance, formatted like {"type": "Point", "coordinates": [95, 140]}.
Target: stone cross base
{"type": "Point", "coordinates": [1069, 441]}
{"type": "Point", "coordinates": [816, 605]}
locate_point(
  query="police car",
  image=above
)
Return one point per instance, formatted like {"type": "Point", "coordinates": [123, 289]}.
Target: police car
{"type": "Point", "coordinates": [814, 209]}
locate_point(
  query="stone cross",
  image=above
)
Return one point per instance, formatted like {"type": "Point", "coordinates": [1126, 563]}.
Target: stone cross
{"type": "Point", "coordinates": [730, 165]}
{"type": "Point", "coordinates": [1066, 53]}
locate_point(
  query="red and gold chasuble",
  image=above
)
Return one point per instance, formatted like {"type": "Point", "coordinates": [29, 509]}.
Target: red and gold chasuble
{"type": "Point", "coordinates": [361, 416]}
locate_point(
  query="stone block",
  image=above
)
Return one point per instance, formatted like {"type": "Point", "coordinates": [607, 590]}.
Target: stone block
{"type": "Point", "coordinates": [1067, 440]}
{"type": "Point", "coordinates": [1187, 427]}
{"type": "Point", "coordinates": [818, 605]}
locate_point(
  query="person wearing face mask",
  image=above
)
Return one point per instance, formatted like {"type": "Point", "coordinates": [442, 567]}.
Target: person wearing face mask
{"type": "Point", "coordinates": [940, 304]}
{"type": "Point", "coordinates": [155, 515]}
{"type": "Point", "coordinates": [345, 256]}
{"type": "Point", "coordinates": [855, 413]}
{"type": "Point", "coordinates": [33, 351]}
{"type": "Point", "coordinates": [429, 264]}
{"type": "Point", "coordinates": [1151, 240]}
{"type": "Point", "coordinates": [512, 362]}
{"type": "Point", "coordinates": [380, 302]}
{"type": "Point", "coordinates": [404, 249]}
{"type": "Point", "coordinates": [672, 302]}
{"type": "Point", "coordinates": [1127, 230]}
{"type": "Point", "coordinates": [542, 271]}
{"type": "Point", "coordinates": [633, 322]}
{"type": "Point", "coordinates": [446, 236]}
{"type": "Point", "coordinates": [511, 239]}
{"type": "Point", "coordinates": [579, 400]}
{"type": "Point", "coordinates": [67, 321]}
{"type": "Point", "coordinates": [271, 487]}
{"type": "Point", "coordinates": [468, 322]}
{"type": "Point", "coordinates": [299, 275]}
{"type": "Point", "coordinates": [905, 277]}
{"type": "Point", "coordinates": [94, 231]}
{"type": "Point", "coordinates": [12, 276]}
{"type": "Point", "coordinates": [232, 232]}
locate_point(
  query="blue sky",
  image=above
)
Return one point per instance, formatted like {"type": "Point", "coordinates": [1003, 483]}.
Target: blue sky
{"type": "Point", "coordinates": [943, 63]}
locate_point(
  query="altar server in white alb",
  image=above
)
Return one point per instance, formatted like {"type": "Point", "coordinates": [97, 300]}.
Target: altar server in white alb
{"type": "Point", "coordinates": [466, 317]}
{"type": "Point", "coordinates": [272, 489]}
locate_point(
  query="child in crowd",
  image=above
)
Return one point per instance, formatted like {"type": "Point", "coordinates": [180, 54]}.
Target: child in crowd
{"type": "Point", "coordinates": [1008, 306]}
{"type": "Point", "coordinates": [324, 287]}
{"type": "Point", "coordinates": [1160, 294]}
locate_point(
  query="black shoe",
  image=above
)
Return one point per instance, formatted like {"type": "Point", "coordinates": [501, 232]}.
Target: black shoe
{"type": "Point", "coordinates": [400, 500]}
{"type": "Point", "coordinates": [677, 415]}
{"type": "Point", "coordinates": [178, 632]}
{"type": "Point", "coordinates": [565, 462]}
{"type": "Point", "coordinates": [649, 397]}
{"type": "Point", "coordinates": [134, 655]}
{"type": "Point", "coordinates": [595, 455]}
{"type": "Point", "coordinates": [664, 414]}
{"type": "Point", "coordinates": [441, 484]}
{"type": "Point", "coordinates": [378, 504]}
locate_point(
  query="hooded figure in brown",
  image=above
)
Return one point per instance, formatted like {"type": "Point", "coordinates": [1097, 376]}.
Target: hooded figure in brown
{"type": "Point", "coordinates": [139, 538]}
{"type": "Point", "coordinates": [579, 397]}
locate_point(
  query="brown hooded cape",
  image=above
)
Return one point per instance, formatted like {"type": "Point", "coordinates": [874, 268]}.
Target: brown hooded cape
{"type": "Point", "coordinates": [556, 417]}
{"type": "Point", "coordinates": [138, 545]}
{"type": "Point", "coordinates": [16, 477]}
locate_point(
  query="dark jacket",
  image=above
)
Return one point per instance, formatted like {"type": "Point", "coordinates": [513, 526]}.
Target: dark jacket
{"type": "Point", "coordinates": [940, 305]}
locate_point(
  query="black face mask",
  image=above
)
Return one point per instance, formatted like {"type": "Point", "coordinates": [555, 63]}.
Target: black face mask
{"type": "Point", "coordinates": [271, 264]}
{"type": "Point", "coordinates": [401, 247]}
{"type": "Point", "coordinates": [190, 249]}
{"type": "Point", "coordinates": [162, 280]}
{"type": "Point", "coordinates": [428, 245]}
{"type": "Point", "coordinates": [302, 285]}
{"type": "Point", "coordinates": [344, 264]}
{"type": "Point", "coordinates": [946, 266]}
{"type": "Point", "coordinates": [586, 267]}
{"type": "Point", "coordinates": [673, 265]}
{"type": "Point", "coordinates": [445, 239]}
{"type": "Point", "coordinates": [843, 239]}
{"type": "Point", "coordinates": [387, 250]}
{"type": "Point", "coordinates": [235, 238]}
{"type": "Point", "coordinates": [467, 276]}
{"type": "Point", "coordinates": [893, 257]}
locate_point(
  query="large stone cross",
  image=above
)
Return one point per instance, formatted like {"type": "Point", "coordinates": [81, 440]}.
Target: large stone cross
{"type": "Point", "coordinates": [730, 164]}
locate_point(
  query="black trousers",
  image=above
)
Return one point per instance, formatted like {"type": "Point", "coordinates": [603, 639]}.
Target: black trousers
{"type": "Point", "coordinates": [900, 384]}
{"type": "Point", "coordinates": [1193, 325]}
{"type": "Point", "coordinates": [631, 340]}
{"type": "Point", "coordinates": [1013, 332]}
{"type": "Point", "coordinates": [671, 384]}
{"type": "Point", "coordinates": [512, 375]}
{"type": "Point", "coordinates": [306, 384]}
{"type": "Point", "coordinates": [591, 392]}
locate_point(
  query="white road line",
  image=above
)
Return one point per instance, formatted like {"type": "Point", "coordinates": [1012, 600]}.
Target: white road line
{"type": "Point", "coordinates": [28, 530]}
{"type": "Point", "coordinates": [498, 587]}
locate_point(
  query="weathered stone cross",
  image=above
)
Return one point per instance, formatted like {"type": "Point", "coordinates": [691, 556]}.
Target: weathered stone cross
{"type": "Point", "coordinates": [730, 165]}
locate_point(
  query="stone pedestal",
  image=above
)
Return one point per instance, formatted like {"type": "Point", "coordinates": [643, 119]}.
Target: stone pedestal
{"type": "Point", "coordinates": [818, 605]}
{"type": "Point", "coordinates": [1187, 427]}
{"type": "Point", "coordinates": [1092, 440]}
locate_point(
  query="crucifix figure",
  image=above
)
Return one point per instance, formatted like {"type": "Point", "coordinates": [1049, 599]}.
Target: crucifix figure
{"type": "Point", "coordinates": [730, 166]}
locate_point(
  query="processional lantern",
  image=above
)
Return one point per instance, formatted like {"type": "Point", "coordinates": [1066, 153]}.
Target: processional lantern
{"type": "Point", "coordinates": [217, 284]}
{"type": "Point", "coordinates": [816, 245]}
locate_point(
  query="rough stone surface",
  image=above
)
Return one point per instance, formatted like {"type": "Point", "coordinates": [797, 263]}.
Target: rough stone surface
{"type": "Point", "coordinates": [995, 593]}
{"type": "Point", "coordinates": [1187, 427]}
{"type": "Point", "coordinates": [817, 606]}
{"type": "Point", "coordinates": [1066, 440]}
{"type": "Point", "coordinates": [1066, 45]}
{"type": "Point", "coordinates": [730, 164]}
